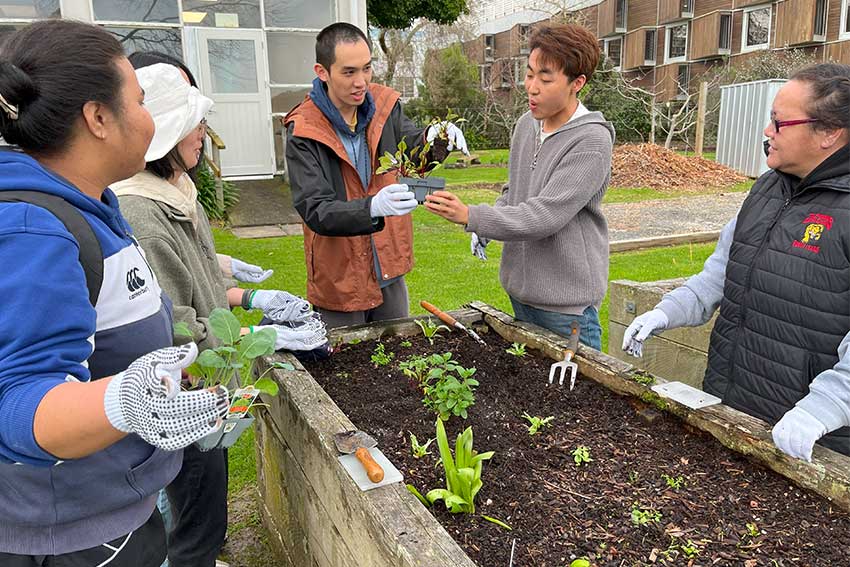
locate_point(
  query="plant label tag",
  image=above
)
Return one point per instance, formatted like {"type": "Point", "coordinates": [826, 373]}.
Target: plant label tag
{"type": "Point", "coordinates": [229, 426]}
{"type": "Point", "coordinates": [686, 395]}
{"type": "Point", "coordinates": [241, 402]}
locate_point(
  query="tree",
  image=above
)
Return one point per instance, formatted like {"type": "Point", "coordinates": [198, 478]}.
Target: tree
{"type": "Point", "coordinates": [450, 80]}
{"type": "Point", "coordinates": [395, 21]}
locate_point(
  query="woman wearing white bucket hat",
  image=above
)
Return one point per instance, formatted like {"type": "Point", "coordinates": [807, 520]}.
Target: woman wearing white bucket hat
{"type": "Point", "coordinates": [162, 207]}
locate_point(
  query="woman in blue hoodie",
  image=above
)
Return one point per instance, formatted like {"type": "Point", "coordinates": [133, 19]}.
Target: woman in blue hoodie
{"type": "Point", "coordinates": [93, 415]}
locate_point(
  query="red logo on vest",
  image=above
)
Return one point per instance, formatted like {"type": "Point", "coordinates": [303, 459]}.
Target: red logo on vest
{"type": "Point", "coordinates": [816, 224]}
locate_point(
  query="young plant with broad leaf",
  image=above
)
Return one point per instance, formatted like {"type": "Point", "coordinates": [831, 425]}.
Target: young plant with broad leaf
{"type": "Point", "coordinates": [463, 472]}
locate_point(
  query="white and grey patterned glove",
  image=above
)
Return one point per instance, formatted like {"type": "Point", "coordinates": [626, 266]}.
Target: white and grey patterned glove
{"type": "Point", "coordinates": [454, 134]}
{"type": "Point", "coordinates": [279, 306]}
{"type": "Point", "coordinates": [245, 272]}
{"type": "Point", "coordinates": [298, 336]}
{"type": "Point", "coordinates": [648, 324]}
{"type": "Point", "coordinates": [478, 246]}
{"type": "Point", "coordinates": [146, 399]}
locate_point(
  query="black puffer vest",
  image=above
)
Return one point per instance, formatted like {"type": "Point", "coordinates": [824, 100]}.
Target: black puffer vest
{"type": "Point", "coordinates": [786, 298]}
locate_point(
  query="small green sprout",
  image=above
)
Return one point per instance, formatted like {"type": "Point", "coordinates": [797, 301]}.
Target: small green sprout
{"type": "Point", "coordinates": [674, 482]}
{"type": "Point", "coordinates": [517, 349]}
{"type": "Point", "coordinates": [418, 450]}
{"type": "Point", "coordinates": [581, 455]}
{"type": "Point", "coordinates": [380, 357]}
{"type": "Point", "coordinates": [430, 329]}
{"type": "Point", "coordinates": [642, 515]}
{"type": "Point", "coordinates": [537, 423]}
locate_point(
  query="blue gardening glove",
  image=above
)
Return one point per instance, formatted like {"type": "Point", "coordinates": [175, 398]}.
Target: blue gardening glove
{"type": "Point", "coordinates": [478, 246]}
{"type": "Point", "coordinates": [393, 200]}
{"type": "Point", "coordinates": [279, 306]}
{"type": "Point", "coordinates": [650, 323]}
{"type": "Point", "coordinates": [146, 399]}
{"type": "Point", "coordinates": [244, 272]}
{"type": "Point", "coordinates": [454, 135]}
{"type": "Point", "coordinates": [796, 433]}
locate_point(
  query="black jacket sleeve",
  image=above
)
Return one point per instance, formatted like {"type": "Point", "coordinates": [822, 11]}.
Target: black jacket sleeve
{"type": "Point", "coordinates": [318, 192]}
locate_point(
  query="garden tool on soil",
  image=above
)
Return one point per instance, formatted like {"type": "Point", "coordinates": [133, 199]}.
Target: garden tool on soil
{"type": "Point", "coordinates": [450, 321]}
{"type": "Point", "coordinates": [567, 363]}
{"type": "Point", "coordinates": [359, 443]}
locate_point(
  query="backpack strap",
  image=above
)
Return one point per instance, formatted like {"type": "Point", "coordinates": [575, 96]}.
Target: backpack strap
{"type": "Point", "coordinates": [91, 254]}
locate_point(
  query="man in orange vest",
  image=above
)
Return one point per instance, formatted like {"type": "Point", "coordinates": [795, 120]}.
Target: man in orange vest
{"type": "Point", "coordinates": [358, 234]}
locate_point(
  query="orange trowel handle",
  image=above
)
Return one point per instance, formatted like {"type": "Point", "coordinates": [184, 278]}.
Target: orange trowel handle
{"type": "Point", "coordinates": [373, 469]}
{"type": "Point", "coordinates": [441, 315]}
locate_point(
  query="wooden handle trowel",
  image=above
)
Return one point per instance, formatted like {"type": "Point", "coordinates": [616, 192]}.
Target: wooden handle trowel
{"type": "Point", "coordinates": [359, 443]}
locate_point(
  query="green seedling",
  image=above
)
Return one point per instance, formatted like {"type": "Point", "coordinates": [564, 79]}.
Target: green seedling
{"type": "Point", "coordinates": [517, 349]}
{"type": "Point", "coordinates": [497, 522]}
{"type": "Point", "coordinates": [690, 549]}
{"type": "Point", "coordinates": [642, 516]}
{"type": "Point", "coordinates": [416, 369]}
{"type": "Point", "coordinates": [537, 423]}
{"type": "Point", "coordinates": [752, 530]}
{"type": "Point", "coordinates": [406, 344]}
{"type": "Point", "coordinates": [463, 472]}
{"type": "Point", "coordinates": [380, 357]}
{"type": "Point", "coordinates": [674, 482]}
{"type": "Point", "coordinates": [581, 455]}
{"type": "Point", "coordinates": [430, 329]}
{"type": "Point", "coordinates": [634, 476]}
{"type": "Point", "coordinates": [581, 562]}
{"type": "Point", "coordinates": [419, 451]}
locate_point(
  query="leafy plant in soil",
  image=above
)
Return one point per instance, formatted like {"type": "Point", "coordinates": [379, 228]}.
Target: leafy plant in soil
{"type": "Point", "coordinates": [463, 472]}
{"type": "Point", "coordinates": [430, 329]}
{"type": "Point", "coordinates": [674, 482]}
{"type": "Point", "coordinates": [642, 515]}
{"type": "Point", "coordinates": [380, 357]}
{"type": "Point", "coordinates": [536, 423]}
{"type": "Point", "coordinates": [581, 455]}
{"type": "Point", "coordinates": [449, 395]}
{"type": "Point", "coordinates": [414, 164]}
{"type": "Point", "coordinates": [517, 349]}
{"type": "Point", "coordinates": [419, 451]}
{"type": "Point", "coordinates": [236, 356]}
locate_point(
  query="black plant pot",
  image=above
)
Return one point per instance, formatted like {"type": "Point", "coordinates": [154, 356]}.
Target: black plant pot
{"type": "Point", "coordinates": [439, 150]}
{"type": "Point", "coordinates": [423, 187]}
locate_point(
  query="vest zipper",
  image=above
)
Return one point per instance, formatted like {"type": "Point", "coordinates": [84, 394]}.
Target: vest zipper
{"type": "Point", "coordinates": [747, 284]}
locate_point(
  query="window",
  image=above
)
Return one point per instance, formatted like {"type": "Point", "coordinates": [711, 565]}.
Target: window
{"type": "Point", "coordinates": [845, 20]}
{"type": "Point", "coordinates": [291, 57]}
{"type": "Point", "coordinates": [756, 28]}
{"type": "Point", "coordinates": [614, 51]}
{"type": "Point", "coordinates": [310, 14]}
{"type": "Point", "coordinates": [687, 8]}
{"type": "Point", "coordinates": [820, 19]}
{"type": "Point", "coordinates": [724, 42]}
{"type": "Point", "coordinates": [524, 34]}
{"type": "Point", "coordinates": [506, 73]}
{"type": "Point", "coordinates": [29, 9]}
{"type": "Point", "coordinates": [143, 11]}
{"type": "Point", "coordinates": [683, 78]}
{"type": "Point", "coordinates": [677, 43]}
{"type": "Point", "coordinates": [222, 13]}
{"type": "Point", "coordinates": [489, 47]}
{"type": "Point", "coordinates": [165, 40]}
{"type": "Point", "coordinates": [649, 47]}
{"type": "Point", "coordinates": [620, 16]}
{"type": "Point", "coordinates": [485, 76]}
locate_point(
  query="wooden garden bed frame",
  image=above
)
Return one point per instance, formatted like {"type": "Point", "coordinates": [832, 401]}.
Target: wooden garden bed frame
{"type": "Point", "coordinates": [317, 516]}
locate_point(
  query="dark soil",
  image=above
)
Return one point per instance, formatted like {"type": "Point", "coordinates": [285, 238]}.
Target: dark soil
{"type": "Point", "coordinates": [727, 511]}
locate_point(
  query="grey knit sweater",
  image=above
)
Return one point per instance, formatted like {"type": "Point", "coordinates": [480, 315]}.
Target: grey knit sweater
{"type": "Point", "coordinates": [550, 215]}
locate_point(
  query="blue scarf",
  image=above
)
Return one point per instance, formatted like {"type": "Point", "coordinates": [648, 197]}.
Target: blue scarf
{"type": "Point", "coordinates": [365, 112]}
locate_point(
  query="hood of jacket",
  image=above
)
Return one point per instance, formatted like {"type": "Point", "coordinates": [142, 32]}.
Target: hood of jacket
{"type": "Point", "coordinates": [592, 117]}
{"type": "Point", "coordinates": [365, 112]}
{"type": "Point", "coordinates": [22, 172]}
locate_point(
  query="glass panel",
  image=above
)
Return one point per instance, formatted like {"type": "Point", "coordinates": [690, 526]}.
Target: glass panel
{"type": "Point", "coordinates": [222, 13]}
{"type": "Point", "coordinates": [620, 16]}
{"type": "Point", "coordinates": [29, 9]}
{"type": "Point", "coordinates": [233, 67]}
{"type": "Point", "coordinates": [678, 40]}
{"type": "Point", "coordinates": [291, 57]}
{"type": "Point", "coordinates": [299, 13]}
{"type": "Point", "coordinates": [846, 17]}
{"type": "Point", "coordinates": [279, 139]}
{"type": "Point", "coordinates": [155, 11]}
{"type": "Point", "coordinates": [136, 39]}
{"type": "Point", "coordinates": [614, 51]}
{"type": "Point", "coordinates": [285, 99]}
{"type": "Point", "coordinates": [725, 31]}
{"type": "Point", "coordinates": [649, 46]}
{"type": "Point", "coordinates": [758, 24]}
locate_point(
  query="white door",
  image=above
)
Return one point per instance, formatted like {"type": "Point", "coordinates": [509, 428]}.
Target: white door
{"type": "Point", "coordinates": [232, 68]}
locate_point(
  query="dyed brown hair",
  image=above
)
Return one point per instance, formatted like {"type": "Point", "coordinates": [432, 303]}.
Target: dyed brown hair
{"type": "Point", "coordinates": [570, 48]}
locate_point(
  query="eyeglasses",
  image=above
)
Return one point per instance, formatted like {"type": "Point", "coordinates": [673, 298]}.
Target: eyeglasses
{"type": "Point", "coordinates": [777, 124]}
{"type": "Point", "coordinates": [202, 127]}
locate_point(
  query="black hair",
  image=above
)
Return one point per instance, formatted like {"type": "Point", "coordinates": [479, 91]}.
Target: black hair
{"type": "Point", "coordinates": [333, 35]}
{"type": "Point", "coordinates": [48, 71]}
{"type": "Point", "coordinates": [830, 84]}
{"type": "Point", "coordinates": [164, 166]}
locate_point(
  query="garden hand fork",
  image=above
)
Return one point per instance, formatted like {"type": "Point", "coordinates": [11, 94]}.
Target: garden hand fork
{"type": "Point", "coordinates": [567, 363]}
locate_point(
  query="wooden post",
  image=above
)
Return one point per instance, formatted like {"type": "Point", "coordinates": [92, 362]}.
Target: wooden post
{"type": "Point", "coordinates": [703, 96]}
{"type": "Point", "coordinates": [652, 121]}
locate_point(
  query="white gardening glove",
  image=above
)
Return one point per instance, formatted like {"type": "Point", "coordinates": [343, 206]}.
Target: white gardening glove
{"type": "Point", "coordinates": [796, 433]}
{"type": "Point", "coordinates": [478, 246]}
{"type": "Point", "coordinates": [146, 399]}
{"type": "Point", "coordinates": [279, 306]}
{"type": "Point", "coordinates": [393, 200]}
{"type": "Point", "coordinates": [306, 336]}
{"type": "Point", "coordinates": [650, 323]}
{"type": "Point", "coordinates": [244, 272]}
{"type": "Point", "coordinates": [453, 133]}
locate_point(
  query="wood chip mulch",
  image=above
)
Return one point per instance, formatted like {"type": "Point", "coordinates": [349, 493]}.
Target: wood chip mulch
{"type": "Point", "coordinates": [651, 165]}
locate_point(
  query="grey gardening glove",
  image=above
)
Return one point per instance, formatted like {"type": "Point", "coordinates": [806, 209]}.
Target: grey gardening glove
{"type": "Point", "coordinates": [244, 272]}
{"type": "Point", "coordinates": [392, 201]}
{"type": "Point", "coordinates": [453, 133]}
{"type": "Point", "coordinates": [279, 306]}
{"type": "Point", "coordinates": [478, 246]}
{"type": "Point", "coordinates": [146, 399]}
{"type": "Point", "coordinates": [305, 336]}
{"type": "Point", "coordinates": [796, 433]}
{"type": "Point", "coordinates": [650, 323]}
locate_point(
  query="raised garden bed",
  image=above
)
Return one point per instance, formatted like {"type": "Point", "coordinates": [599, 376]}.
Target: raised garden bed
{"type": "Point", "coordinates": [656, 490]}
